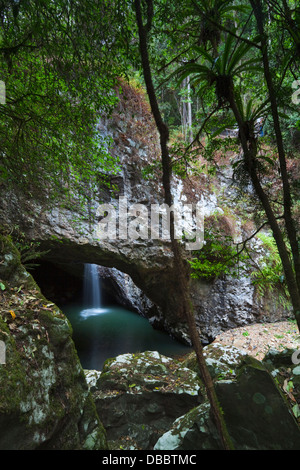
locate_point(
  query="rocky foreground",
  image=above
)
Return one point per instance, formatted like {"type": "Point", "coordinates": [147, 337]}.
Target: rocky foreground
{"type": "Point", "coordinates": [138, 401]}
{"type": "Point", "coordinates": [148, 401]}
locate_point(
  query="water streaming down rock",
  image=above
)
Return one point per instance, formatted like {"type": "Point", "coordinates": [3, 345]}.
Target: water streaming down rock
{"type": "Point", "coordinates": [91, 291]}
{"type": "Point", "coordinates": [101, 331]}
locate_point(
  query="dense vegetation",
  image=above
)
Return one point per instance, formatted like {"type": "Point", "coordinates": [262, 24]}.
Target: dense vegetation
{"type": "Point", "coordinates": [211, 68]}
{"type": "Point", "coordinates": [212, 73]}
{"type": "Point", "coordinates": [241, 61]}
{"type": "Point", "coordinates": [55, 63]}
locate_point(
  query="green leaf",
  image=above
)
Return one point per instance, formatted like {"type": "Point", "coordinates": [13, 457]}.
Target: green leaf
{"type": "Point", "coordinates": [267, 159]}
{"type": "Point", "coordinates": [296, 411]}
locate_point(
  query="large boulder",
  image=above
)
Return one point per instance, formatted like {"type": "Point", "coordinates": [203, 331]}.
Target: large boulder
{"type": "Point", "coordinates": [148, 401]}
{"type": "Point", "coordinates": [193, 431]}
{"type": "Point", "coordinates": [138, 396]}
{"type": "Point", "coordinates": [45, 402]}
{"type": "Point", "coordinates": [256, 413]}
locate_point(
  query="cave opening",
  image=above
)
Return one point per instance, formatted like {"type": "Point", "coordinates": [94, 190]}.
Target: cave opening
{"type": "Point", "coordinates": [63, 284]}
{"type": "Point", "coordinates": [121, 325]}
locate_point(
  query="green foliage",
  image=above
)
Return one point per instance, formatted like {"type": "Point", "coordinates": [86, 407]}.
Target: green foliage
{"type": "Point", "coordinates": [218, 257]}
{"type": "Point", "coordinates": [219, 71]}
{"type": "Point", "coordinates": [60, 60]}
{"type": "Point", "coordinates": [54, 61]}
{"type": "Point", "coordinates": [214, 44]}
{"type": "Point", "coordinates": [269, 276]}
{"type": "Point", "coordinates": [241, 64]}
{"type": "Point", "coordinates": [29, 249]}
{"type": "Point", "coordinates": [212, 262]}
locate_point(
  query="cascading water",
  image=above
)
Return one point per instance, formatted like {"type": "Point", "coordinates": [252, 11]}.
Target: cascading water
{"type": "Point", "coordinates": [101, 331]}
{"type": "Point", "coordinates": [91, 291]}
{"type": "Point", "coordinates": [91, 287]}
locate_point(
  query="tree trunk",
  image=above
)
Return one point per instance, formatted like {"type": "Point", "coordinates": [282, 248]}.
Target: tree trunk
{"type": "Point", "coordinates": [189, 117]}
{"type": "Point", "coordinates": [290, 226]}
{"type": "Point", "coordinates": [181, 266]}
{"type": "Point", "coordinates": [293, 280]}
{"type": "Point", "coordinates": [250, 152]}
{"type": "Point", "coordinates": [186, 111]}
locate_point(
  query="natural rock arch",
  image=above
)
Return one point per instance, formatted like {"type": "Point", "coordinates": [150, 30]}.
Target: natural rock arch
{"type": "Point", "coordinates": [149, 263]}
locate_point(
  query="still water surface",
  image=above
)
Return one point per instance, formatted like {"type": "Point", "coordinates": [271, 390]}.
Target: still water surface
{"type": "Point", "coordinates": [102, 333]}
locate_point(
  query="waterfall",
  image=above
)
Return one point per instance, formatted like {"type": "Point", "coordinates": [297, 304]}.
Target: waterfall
{"type": "Point", "coordinates": [91, 291]}
{"type": "Point", "coordinates": [91, 287]}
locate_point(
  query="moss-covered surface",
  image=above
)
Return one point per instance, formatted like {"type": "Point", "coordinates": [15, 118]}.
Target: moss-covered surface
{"type": "Point", "coordinates": [148, 371]}
{"type": "Point", "coordinates": [194, 430]}
{"type": "Point", "coordinates": [44, 398]}
{"type": "Point", "coordinates": [256, 414]}
{"type": "Point", "coordinates": [138, 396]}
{"type": "Point", "coordinates": [286, 375]}
{"type": "Point", "coordinates": [143, 400]}
{"type": "Point", "coordinates": [259, 400]}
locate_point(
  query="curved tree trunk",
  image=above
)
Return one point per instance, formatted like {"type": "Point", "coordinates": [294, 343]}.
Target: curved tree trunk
{"type": "Point", "coordinates": [249, 147]}
{"type": "Point", "coordinates": [291, 268]}
{"type": "Point", "coordinates": [181, 266]}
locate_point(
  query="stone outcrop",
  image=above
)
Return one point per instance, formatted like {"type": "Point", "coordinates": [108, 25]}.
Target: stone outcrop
{"type": "Point", "coordinates": [138, 401]}
{"type": "Point", "coordinates": [256, 409]}
{"type": "Point", "coordinates": [230, 302]}
{"type": "Point", "coordinates": [138, 395]}
{"type": "Point", "coordinates": [119, 286]}
{"type": "Point", "coordinates": [44, 399]}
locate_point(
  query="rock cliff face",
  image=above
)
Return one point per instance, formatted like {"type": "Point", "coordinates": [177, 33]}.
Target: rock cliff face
{"type": "Point", "coordinates": [145, 265]}
{"type": "Point", "coordinates": [44, 399]}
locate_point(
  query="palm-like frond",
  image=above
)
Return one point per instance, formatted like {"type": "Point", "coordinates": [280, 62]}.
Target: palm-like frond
{"type": "Point", "coordinates": [211, 14]}
{"type": "Point", "coordinates": [251, 110]}
{"type": "Point", "coordinates": [221, 71]}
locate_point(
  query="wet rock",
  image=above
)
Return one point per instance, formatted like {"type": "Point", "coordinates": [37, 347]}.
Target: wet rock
{"type": "Point", "coordinates": [121, 287]}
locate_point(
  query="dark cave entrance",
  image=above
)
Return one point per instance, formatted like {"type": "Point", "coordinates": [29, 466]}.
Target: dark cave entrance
{"type": "Point", "coordinates": [116, 328]}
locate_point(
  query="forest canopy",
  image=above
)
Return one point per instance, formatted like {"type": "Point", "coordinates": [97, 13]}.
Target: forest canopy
{"type": "Point", "coordinates": [59, 74]}
{"type": "Point", "coordinates": [60, 61]}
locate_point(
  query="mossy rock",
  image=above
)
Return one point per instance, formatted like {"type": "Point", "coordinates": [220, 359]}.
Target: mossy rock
{"type": "Point", "coordinates": [138, 396]}
{"type": "Point", "coordinates": [11, 269]}
{"type": "Point", "coordinates": [45, 402]}
{"type": "Point", "coordinates": [257, 413]}
{"type": "Point", "coordinates": [192, 431]}
{"type": "Point", "coordinates": [222, 361]}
